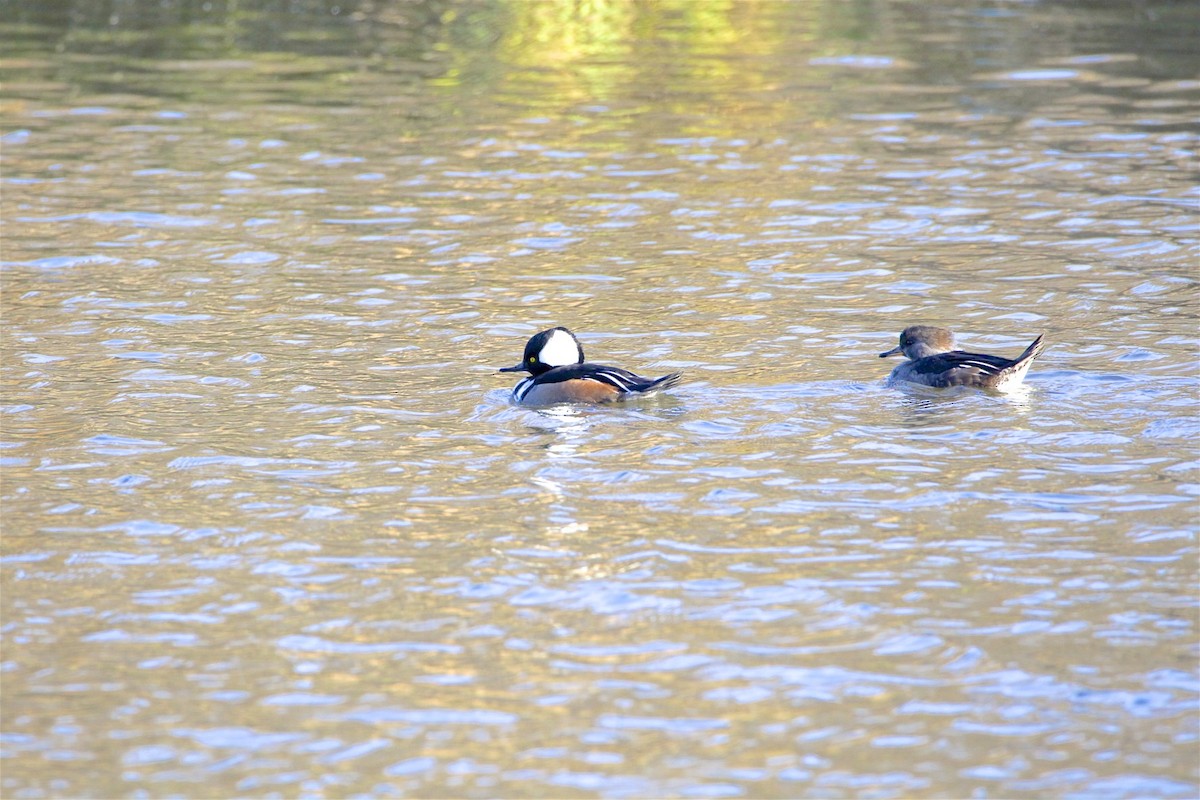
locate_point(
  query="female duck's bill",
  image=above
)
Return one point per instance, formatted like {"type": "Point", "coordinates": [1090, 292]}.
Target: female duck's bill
{"type": "Point", "coordinates": [934, 361]}
{"type": "Point", "coordinates": [558, 374]}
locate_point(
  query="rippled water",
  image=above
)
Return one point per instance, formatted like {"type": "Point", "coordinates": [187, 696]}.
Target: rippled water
{"type": "Point", "coordinates": [271, 526]}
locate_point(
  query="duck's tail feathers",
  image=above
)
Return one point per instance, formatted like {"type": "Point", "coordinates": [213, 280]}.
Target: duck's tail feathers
{"type": "Point", "coordinates": [665, 382]}
{"type": "Point", "coordinates": [1011, 376]}
{"type": "Point", "coordinates": [1033, 351]}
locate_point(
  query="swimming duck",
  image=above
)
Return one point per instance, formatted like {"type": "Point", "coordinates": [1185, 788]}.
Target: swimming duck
{"type": "Point", "coordinates": [558, 374]}
{"type": "Point", "coordinates": [934, 361]}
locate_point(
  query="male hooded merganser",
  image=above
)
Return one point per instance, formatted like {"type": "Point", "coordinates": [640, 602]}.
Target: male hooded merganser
{"type": "Point", "coordinates": [554, 360]}
{"type": "Point", "coordinates": [935, 362]}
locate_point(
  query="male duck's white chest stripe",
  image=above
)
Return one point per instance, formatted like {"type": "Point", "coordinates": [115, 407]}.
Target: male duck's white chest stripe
{"type": "Point", "coordinates": [522, 389]}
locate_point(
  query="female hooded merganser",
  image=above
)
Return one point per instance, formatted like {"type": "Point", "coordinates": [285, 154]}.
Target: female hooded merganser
{"type": "Point", "coordinates": [935, 362]}
{"type": "Point", "coordinates": [554, 360]}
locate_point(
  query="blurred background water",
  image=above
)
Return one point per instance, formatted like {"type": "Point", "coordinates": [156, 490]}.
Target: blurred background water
{"type": "Point", "coordinates": [271, 526]}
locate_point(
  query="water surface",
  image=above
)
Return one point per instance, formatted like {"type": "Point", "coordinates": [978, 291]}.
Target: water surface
{"type": "Point", "coordinates": [271, 526]}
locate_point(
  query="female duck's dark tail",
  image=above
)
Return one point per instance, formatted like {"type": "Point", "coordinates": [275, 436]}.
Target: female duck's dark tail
{"type": "Point", "coordinates": [1011, 376]}
{"type": "Point", "coordinates": [1033, 351]}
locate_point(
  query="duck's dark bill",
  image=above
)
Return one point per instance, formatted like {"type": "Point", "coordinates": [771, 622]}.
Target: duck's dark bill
{"type": "Point", "coordinates": [892, 352]}
{"type": "Point", "coordinates": [517, 368]}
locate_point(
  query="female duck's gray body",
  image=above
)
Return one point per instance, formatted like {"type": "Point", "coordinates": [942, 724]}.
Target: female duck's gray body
{"type": "Point", "coordinates": [558, 374]}
{"type": "Point", "coordinates": [935, 362]}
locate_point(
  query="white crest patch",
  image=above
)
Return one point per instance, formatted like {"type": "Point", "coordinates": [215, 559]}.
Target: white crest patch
{"type": "Point", "coordinates": [559, 350]}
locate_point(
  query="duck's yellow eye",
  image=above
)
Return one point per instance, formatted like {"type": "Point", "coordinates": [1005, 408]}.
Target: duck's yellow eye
{"type": "Point", "coordinates": [532, 359]}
